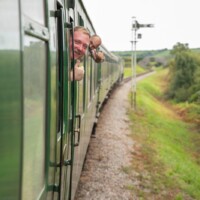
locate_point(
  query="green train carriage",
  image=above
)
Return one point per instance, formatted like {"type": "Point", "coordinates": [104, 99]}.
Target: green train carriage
{"type": "Point", "coordinates": [45, 119]}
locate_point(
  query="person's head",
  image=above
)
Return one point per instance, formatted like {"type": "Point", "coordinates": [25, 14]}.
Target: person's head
{"type": "Point", "coordinates": [95, 41]}
{"type": "Point", "coordinates": [81, 42]}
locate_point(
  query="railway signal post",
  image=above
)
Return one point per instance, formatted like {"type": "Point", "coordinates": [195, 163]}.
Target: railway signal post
{"type": "Point", "coordinates": [135, 36]}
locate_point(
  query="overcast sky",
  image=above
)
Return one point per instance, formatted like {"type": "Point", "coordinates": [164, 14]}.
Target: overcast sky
{"type": "Point", "coordinates": [174, 21]}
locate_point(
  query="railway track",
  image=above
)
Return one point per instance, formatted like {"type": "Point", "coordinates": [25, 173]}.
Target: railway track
{"type": "Point", "coordinates": [110, 151]}
{"type": "Point", "coordinates": [138, 75]}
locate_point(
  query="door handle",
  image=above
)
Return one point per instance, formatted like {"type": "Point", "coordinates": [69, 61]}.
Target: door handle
{"type": "Point", "coordinates": [77, 131]}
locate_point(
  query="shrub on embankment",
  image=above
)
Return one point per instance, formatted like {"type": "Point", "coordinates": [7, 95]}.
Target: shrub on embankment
{"type": "Point", "coordinates": [184, 76]}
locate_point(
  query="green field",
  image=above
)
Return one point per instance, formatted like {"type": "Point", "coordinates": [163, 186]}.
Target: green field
{"type": "Point", "coordinates": [166, 152]}
{"type": "Point", "coordinates": [128, 71]}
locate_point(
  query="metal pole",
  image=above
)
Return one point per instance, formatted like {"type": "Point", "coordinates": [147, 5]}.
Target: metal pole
{"type": "Point", "coordinates": [132, 66]}
{"type": "Point", "coordinates": [135, 27]}
{"type": "Point", "coordinates": [135, 66]}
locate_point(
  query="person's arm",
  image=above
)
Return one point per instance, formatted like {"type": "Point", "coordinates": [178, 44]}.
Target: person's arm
{"type": "Point", "coordinates": [93, 53]}
{"type": "Point", "coordinates": [78, 72]}
{"type": "Point", "coordinates": [99, 57]}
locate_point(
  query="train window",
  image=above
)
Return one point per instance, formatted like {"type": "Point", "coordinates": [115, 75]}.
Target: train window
{"type": "Point", "coordinates": [103, 72]}
{"type": "Point", "coordinates": [88, 81]}
{"type": "Point", "coordinates": [34, 10]}
{"type": "Point", "coordinates": [80, 20]}
{"type": "Point", "coordinates": [95, 79]}
{"type": "Point", "coordinates": [70, 3]}
{"type": "Point", "coordinates": [81, 94]}
{"type": "Point", "coordinates": [34, 95]}
{"type": "Point", "coordinates": [91, 79]}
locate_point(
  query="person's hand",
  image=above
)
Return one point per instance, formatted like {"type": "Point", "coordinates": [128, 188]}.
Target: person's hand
{"type": "Point", "coordinates": [99, 57]}
{"type": "Point", "coordinates": [78, 72]}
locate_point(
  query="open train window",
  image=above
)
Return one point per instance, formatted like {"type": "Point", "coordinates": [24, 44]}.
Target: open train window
{"type": "Point", "coordinates": [60, 67]}
{"type": "Point", "coordinates": [81, 84]}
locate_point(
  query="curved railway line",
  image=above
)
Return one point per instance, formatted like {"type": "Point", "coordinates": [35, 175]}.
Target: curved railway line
{"type": "Point", "coordinates": [109, 153]}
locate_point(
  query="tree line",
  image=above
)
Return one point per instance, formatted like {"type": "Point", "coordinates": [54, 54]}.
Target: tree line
{"type": "Point", "coordinates": [184, 74]}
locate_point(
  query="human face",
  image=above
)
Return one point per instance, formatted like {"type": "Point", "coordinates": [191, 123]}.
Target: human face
{"type": "Point", "coordinates": [81, 42]}
{"type": "Point", "coordinates": [94, 43]}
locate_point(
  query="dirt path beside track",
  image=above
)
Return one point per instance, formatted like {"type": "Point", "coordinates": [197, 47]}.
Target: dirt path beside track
{"type": "Point", "coordinates": [104, 174]}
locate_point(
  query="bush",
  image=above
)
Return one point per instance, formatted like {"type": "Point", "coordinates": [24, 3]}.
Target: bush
{"type": "Point", "coordinates": [195, 97]}
{"type": "Point", "coordinates": [181, 94]}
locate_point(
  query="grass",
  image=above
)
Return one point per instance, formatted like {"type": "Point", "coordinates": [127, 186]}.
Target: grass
{"type": "Point", "coordinates": [128, 71]}
{"type": "Point", "coordinates": [167, 148]}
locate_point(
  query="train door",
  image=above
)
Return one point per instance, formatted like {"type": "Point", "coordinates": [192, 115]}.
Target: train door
{"type": "Point", "coordinates": [77, 105]}
{"type": "Point", "coordinates": [63, 150]}
{"type": "Point", "coordinates": [35, 38]}
{"type": "Point", "coordinates": [46, 139]}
